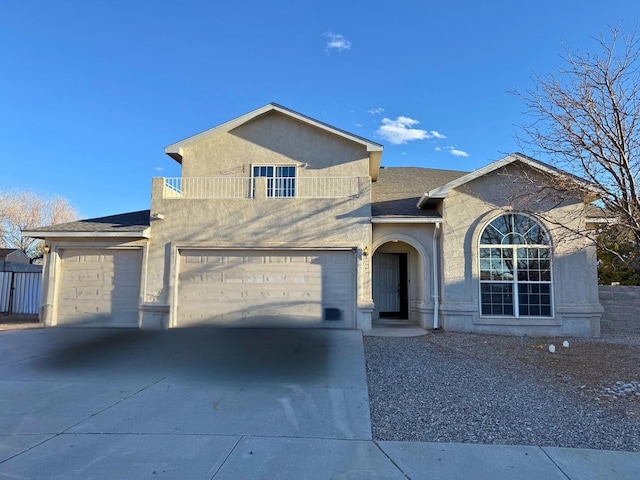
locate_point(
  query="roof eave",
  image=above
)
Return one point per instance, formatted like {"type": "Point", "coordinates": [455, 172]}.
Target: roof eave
{"type": "Point", "coordinates": [443, 191]}
{"type": "Point", "coordinates": [399, 219]}
{"type": "Point", "coordinates": [145, 233]}
{"type": "Point", "coordinates": [430, 199]}
{"type": "Point", "coordinates": [175, 150]}
{"type": "Point", "coordinates": [375, 160]}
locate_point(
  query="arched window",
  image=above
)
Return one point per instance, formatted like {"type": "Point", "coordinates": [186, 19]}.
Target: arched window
{"type": "Point", "coordinates": [515, 268]}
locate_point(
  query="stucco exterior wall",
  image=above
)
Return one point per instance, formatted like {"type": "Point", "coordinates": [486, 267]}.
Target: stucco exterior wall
{"type": "Point", "coordinates": [467, 210]}
{"type": "Point", "coordinates": [260, 222]}
{"type": "Point", "coordinates": [275, 139]}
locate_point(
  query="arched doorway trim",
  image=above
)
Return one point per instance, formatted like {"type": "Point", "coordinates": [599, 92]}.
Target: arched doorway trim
{"type": "Point", "coordinates": [401, 237]}
{"type": "Point", "coordinates": [421, 300]}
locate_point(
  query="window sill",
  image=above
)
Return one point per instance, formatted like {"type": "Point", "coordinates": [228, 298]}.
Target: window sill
{"type": "Point", "coordinates": [520, 321]}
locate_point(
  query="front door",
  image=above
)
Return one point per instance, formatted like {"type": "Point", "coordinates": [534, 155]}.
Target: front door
{"type": "Point", "coordinates": [390, 290]}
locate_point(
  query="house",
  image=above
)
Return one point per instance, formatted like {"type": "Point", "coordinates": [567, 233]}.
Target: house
{"type": "Point", "coordinates": [13, 255]}
{"type": "Point", "coordinates": [282, 220]}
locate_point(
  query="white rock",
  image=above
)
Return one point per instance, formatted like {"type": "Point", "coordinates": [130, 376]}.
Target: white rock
{"type": "Point", "coordinates": [565, 344]}
{"type": "Point", "coordinates": [552, 348]}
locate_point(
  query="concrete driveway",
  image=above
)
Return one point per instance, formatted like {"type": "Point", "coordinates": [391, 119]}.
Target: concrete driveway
{"type": "Point", "coordinates": [98, 403]}
{"type": "Point", "coordinates": [227, 405]}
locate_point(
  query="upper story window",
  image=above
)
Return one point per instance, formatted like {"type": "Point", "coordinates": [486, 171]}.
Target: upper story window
{"type": "Point", "coordinates": [515, 268]}
{"type": "Point", "coordinates": [281, 180]}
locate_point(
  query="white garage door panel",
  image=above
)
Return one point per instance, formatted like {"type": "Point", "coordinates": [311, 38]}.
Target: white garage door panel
{"type": "Point", "coordinates": [262, 288]}
{"type": "Point", "coordinates": [99, 287]}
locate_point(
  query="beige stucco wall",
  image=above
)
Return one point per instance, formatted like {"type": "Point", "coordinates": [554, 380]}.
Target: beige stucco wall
{"type": "Point", "coordinates": [261, 223]}
{"type": "Point", "coordinates": [275, 139]}
{"type": "Point", "coordinates": [468, 209]}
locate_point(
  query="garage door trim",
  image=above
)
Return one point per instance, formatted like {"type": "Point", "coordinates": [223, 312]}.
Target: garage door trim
{"type": "Point", "coordinates": [57, 262]}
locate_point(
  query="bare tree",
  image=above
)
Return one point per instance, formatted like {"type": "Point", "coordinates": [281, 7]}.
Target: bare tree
{"type": "Point", "coordinates": [586, 121]}
{"type": "Point", "coordinates": [24, 210]}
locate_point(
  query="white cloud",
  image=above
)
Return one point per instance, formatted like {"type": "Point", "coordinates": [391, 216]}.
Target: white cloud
{"type": "Point", "coordinates": [453, 151]}
{"type": "Point", "coordinates": [159, 169]}
{"type": "Point", "coordinates": [358, 124]}
{"type": "Point", "coordinates": [458, 153]}
{"type": "Point", "coordinates": [336, 42]}
{"type": "Point", "coordinates": [401, 130]}
{"type": "Point", "coordinates": [376, 111]}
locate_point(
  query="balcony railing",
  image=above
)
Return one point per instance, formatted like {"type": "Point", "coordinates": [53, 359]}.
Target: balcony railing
{"type": "Point", "coordinates": [245, 187]}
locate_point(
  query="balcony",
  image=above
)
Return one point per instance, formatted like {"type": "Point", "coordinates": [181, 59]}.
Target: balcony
{"type": "Point", "coordinates": [260, 187]}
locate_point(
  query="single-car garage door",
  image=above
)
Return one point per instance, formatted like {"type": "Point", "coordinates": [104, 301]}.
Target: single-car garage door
{"type": "Point", "coordinates": [99, 287]}
{"type": "Point", "coordinates": [266, 288]}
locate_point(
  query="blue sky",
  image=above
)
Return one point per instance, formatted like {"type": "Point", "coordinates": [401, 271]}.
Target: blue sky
{"type": "Point", "coordinates": [92, 91]}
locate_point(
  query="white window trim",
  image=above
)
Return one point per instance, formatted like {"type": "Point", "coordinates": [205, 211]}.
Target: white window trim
{"type": "Point", "coordinates": [514, 282]}
{"type": "Point", "coordinates": [274, 178]}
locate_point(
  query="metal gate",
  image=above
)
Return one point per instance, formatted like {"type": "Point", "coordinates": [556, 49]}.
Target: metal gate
{"type": "Point", "coordinates": [20, 292]}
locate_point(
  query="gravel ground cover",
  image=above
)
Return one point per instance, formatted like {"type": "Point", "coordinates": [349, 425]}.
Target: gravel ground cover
{"type": "Point", "coordinates": [450, 387]}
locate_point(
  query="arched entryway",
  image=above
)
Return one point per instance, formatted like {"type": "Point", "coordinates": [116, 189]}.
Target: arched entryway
{"type": "Point", "coordinates": [399, 280]}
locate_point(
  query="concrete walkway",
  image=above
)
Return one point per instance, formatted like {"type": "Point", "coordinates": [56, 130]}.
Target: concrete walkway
{"type": "Point", "coordinates": [226, 404]}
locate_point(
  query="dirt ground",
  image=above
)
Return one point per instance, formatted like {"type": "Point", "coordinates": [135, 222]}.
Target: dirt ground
{"type": "Point", "coordinates": [587, 367]}
{"type": "Point", "coordinates": [18, 322]}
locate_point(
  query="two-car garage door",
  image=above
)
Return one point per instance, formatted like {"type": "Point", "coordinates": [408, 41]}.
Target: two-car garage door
{"type": "Point", "coordinates": [265, 288]}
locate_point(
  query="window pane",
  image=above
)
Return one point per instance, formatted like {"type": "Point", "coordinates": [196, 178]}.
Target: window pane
{"type": "Point", "coordinates": [496, 264]}
{"type": "Point", "coordinates": [497, 298]}
{"type": "Point", "coordinates": [534, 300]}
{"type": "Point", "coordinates": [514, 229]}
{"type": "Point", "coordinates": [285, 171]}
{"type": "Point", "coordinates": [281, 181]}
{"type": "Point", "coordinates": [285, 187]}
{"type": "Point", "coordinates": [491, 236]}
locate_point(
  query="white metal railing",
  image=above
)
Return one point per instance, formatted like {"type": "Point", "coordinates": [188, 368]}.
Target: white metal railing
{"type": "Point", "coordinates": [327, 187]}
{"type": "Point", "coordinates": [245, 187]}
{"type": "Point", "coordinates": [207, 187]}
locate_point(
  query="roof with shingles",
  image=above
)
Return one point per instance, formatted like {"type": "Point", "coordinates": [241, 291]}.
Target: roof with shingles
{"type": "Point", "coordinates": [132, 222]}
{"type": "Point", "coordinates": [398, 189]}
